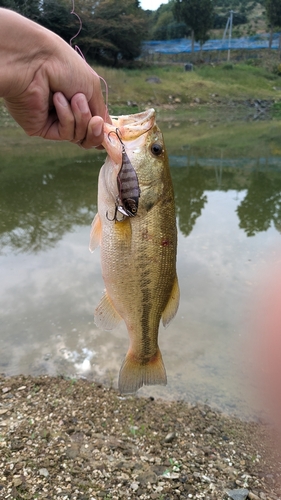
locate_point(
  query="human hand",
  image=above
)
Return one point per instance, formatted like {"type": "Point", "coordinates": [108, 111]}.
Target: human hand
{"type": "Point", "coordinates": [48, 88]}
{"type": "Point", "coordinates": [73, 122]}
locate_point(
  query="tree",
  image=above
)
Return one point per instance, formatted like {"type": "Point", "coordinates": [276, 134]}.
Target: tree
{"type": "Point", "coordinates": [110, 31]}
{"type": "Point", "coordinates": [117, 28]}
{"type": "Point", "coordinates": [164, 25]}
{"type": "Point", "coordinates": [30, 8]}
{"type": "Point", "coordinates": [273, 13]}
{"type": "Point", "coordinates": [198, 15]}
{"type": "Point", "coordinates": [159, 30]}
{"type": "Point", "coordinates": [55, 15]}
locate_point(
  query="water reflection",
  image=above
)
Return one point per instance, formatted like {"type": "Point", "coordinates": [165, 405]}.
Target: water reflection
{"type": "Point", "coordinates": [190, 185]}
{"type": "Point", "coordinates": [39, 206]}
{"type": "Point", "coordinates": [262, 204]}
{"type": "Point", "coordinates": [50, 283]}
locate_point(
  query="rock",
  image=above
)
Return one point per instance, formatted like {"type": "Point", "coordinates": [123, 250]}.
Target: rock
{"type": "Point", "coordinates": [239, 494]}
{"type": "Point", "coordinates": [171, 475]}
{"type": "Point", "coordinates": [16, 445]}
{"type": "Point", "coordinates": [211, 429]}
{"type": "Point", "coordinates": [73, 451]}
{"type": "Point", "coordinates": [188, 67]}
{"type": "Point", "coordinates": [134, 486]}
{"type": "Point", "coordinates": [153, 79]}
{"type": "Point", "coordinates": [17, 481]}
{"type": "Point", "coordinates": [252, 496]}
{"type": "Point", "coordinates": [44, 472]}
{"type": "Point", "coordinates": [147, 476]}
{"type": "Point", "coordinates": [6, 389]}
{"type": "Point", "coordinates": [170, 437]}
{"type": "Point", "coordinates": [159, 469]}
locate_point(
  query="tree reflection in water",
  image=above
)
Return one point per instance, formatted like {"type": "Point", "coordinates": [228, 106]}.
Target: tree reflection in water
{"type": "Point", "coordinates": [42, 199]}
{"type": "Point", "coordinates": [38, 208]}
{"type": "Point", "coordinates": [262, 203]}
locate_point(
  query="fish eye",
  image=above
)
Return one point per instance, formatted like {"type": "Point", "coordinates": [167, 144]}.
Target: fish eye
{"type": "Point", "coordinates": [156, 149]}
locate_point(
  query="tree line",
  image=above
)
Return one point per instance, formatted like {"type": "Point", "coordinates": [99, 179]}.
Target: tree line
{"type": "Point", "coordinates": [112, 31]}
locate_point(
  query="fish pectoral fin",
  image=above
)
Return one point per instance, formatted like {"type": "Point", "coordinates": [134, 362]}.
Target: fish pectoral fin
{"type": "Point", "coordinates": [95, 235]}
{"type": "Point", "coordinates": [106, 316]}
{"type": "Point", "coordinates": [134, 374]}
{"type": "Point", "coordinates": [172, 305]}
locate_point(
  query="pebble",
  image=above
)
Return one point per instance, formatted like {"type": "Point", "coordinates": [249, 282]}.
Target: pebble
{"type": "Point", "coordinates": [58, 432]}
{"type": "Point", "coordinates": [147, 477]}
{"type": "Point", "coordinates": [17, 481]}
{"type": "Point", "coordinates": [239, 494]}
{"type": "Point", "coordinates": [44, 472]}
{"type": "Point", "coordinates": [134, 486]}
{"type": "Point", "coordinates": [170, 437]}
{"type": "Point", "coordinates": [253, 496]}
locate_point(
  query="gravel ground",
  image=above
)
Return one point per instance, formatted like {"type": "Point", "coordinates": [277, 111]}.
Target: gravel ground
{"type": "Point", "coordinates": [72, 439]}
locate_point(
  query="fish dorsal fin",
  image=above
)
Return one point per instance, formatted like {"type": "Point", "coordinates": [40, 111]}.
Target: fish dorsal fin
{"type": "Point", "coordinates": [172, 305]}
{"type": "Point", "coordinates": [106, 316]}
{"type": "Point", "coordinates": [95, 236]}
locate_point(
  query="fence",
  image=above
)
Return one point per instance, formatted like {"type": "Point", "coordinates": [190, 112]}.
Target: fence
{"type": "Point", "coordinates": [183, 45]}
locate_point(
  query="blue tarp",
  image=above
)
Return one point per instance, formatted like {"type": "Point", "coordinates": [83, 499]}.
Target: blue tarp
{"type": "Point", "coordinates": [182, 45]}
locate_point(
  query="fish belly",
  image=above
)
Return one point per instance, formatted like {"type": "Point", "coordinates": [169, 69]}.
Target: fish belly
{"type": "Point", "coordinates": [139, 270]}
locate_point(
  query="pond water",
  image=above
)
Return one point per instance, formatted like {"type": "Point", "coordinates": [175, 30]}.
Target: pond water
{"type": "Point", "coordinates": [229, 222]}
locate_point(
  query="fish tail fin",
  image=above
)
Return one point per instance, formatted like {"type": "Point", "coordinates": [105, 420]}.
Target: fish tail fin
{"type": "Point", "coordinates": [134, 374]}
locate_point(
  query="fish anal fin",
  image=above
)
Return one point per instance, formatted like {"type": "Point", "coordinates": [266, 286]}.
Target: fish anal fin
{"type": "Point", "coordinates": [106, 316]}
{"type": "Point", "coordinates": [95, 235]}
{"type": "Point", "coordinates": [134, 374]}
{"type": "Point", "coordinates": [172, 305]}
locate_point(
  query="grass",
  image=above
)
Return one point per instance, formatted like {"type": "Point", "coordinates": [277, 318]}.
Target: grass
{"type": "Point", "coordinates": [204, 109]}
{"type": "Point", "coordinates": [232, 139]}
{"type": "Point", "coordinates": [213, 123]}
{"type": "Point", "coordinates": [237, 81]}
{"type": "Point", "coordinates": [226, 81]}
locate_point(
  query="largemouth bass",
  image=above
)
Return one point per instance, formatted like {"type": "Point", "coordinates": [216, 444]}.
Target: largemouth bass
{"type": "Point", "coordinates": [138, 250]}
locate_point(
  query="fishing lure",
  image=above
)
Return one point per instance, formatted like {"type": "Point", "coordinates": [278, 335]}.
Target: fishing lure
{"type": "Point", "coordinates": [127, 200]}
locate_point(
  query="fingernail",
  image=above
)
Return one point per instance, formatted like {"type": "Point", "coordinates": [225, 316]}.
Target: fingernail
{"type": "Point", "coordinates": [62, 100]}
{"type": "Point", "coordinates": [83, 105]}
{"type": "Point", "coordinates": [98, 129]}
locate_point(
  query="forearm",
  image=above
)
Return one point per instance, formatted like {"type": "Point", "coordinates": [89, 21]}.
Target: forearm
{"type": "Point", "coordinates": [24, 45]}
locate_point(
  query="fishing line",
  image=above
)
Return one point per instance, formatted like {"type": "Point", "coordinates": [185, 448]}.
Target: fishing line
{"type": "Point", "coordinates": [79, 51]}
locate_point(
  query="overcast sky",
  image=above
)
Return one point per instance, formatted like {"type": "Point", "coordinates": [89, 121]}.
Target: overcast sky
{"type": "Point", "coordinates": [151, 4]}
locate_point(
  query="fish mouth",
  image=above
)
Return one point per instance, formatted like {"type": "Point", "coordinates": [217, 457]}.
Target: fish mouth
{"type": "Point", "coordinates": [130, 129]}
{"type": "Point", "coordinates": [133, 126]}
